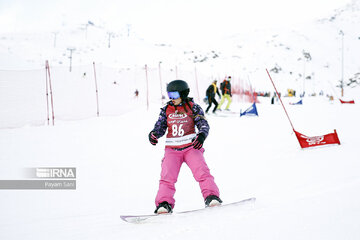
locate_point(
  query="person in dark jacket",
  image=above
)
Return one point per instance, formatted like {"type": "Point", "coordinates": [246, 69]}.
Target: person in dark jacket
{"type": "Point", "coordinates": [211, 91]}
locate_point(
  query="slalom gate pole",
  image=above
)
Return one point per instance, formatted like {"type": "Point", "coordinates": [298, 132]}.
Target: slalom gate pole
{"type": "Point", "coordinates": [96, 88]}
{"type": "Point", "coordinates": [251, 90]}
{"type": "Point", "coordinates": [280, 100]}
{"type": "Point", "coordinates": [51, 95]}
{"type": "Point", "coordinates": [240, 90]}
{"type": "Point", "coordinates": [332, 88]}
{"type": "Point", "coordinates": [47, 93]}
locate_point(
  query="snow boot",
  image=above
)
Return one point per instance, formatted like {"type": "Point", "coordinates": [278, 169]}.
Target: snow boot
{"type": "Point", "coordinates": [212, 201]}
{"type": "Point", "coordinates": [163, 207]}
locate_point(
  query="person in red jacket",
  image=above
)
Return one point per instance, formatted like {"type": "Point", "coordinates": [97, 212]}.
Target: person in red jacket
{"type": "Point", "coordinates": [184, 144]}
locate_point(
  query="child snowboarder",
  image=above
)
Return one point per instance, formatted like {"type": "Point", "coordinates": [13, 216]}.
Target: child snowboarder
{"type": "Point", "coordinates": [183, 144]}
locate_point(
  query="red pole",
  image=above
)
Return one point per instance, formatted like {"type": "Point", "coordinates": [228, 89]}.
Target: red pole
{"type": "Point", "coordinates": [241, 82]}
{"type": "Point", "coordinates": [147, 87]}
{"type": "Point", "coordinates": [51, 95]}
{"type": "Point", "coordinates": [253, 92]}
{"type": "Point", "coordinates": [239, 88]}
{"type": "Point", "coordinates": [280, 100]}
{"type": "Point", "coordinates": [97, 92]}
{"type": "Point", "coordinates": [162, 100]}
{"type": "Point", "coordinates": [47, 93]}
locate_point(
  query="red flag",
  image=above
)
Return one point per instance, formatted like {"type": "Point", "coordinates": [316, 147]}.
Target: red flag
{"type": "Point", "coordinates": [350, 102]}
{"type": "Point", "coordinates": [305, 141]}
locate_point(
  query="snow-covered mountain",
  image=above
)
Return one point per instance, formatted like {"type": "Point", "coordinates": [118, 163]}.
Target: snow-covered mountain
{"type": "Point", "coordinates": [311, 51]}
{"type": "Point", "coordinates": [301, 194]}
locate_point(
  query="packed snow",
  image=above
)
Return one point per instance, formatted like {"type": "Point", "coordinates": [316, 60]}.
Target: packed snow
{"type": "Point", "coordinates": [301, 194]}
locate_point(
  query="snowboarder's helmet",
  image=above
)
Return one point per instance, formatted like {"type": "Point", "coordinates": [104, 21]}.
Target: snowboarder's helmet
{"type": "Point", "coordinates": [179, 86]}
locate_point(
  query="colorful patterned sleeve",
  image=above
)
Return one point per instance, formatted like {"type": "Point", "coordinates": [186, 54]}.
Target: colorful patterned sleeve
{"type": "Point", "coordinates": [200, 120]}
{"type": "Point", "coordinates": [161, 124]}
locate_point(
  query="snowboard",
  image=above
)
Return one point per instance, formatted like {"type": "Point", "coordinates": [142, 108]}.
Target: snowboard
{"type": "Point", "coordinates": [143, 218]}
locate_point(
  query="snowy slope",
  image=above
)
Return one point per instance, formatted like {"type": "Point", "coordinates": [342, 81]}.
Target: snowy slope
{"type": "Point", "coordinates": [301, 194]}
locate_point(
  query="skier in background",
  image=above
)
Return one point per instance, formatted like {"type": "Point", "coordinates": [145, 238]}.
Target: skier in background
{"type": "Point", "coordinates": [225, 88]}
{"type": "Point", "coordinates": [183, 144]}
{"type": "Point", "coordinates": [136, 93]}
{"type": "Point", "coordinates": [211, 91]}
{"type": "Point", "coordinates": [273, 98]}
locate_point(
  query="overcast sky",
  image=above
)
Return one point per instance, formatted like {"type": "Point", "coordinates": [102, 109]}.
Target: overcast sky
{"type": "Point", "coordinates": [163, 19]}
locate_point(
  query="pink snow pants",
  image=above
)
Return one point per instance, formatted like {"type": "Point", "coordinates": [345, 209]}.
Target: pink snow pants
{"type": "Point", "coordinates": [171, 165]}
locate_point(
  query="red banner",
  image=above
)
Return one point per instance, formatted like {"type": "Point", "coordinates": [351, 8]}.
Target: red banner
{"type": "Point", "coordinates": [349, 102]}
{"type": "Point", "coordinates": [305, 141]}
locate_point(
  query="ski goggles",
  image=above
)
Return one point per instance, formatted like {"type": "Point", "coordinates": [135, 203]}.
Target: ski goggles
{"type": "Point", "coordinates": [174, 95]}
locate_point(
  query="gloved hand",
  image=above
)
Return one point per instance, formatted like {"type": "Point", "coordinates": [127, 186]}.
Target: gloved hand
{"type": "Point", "coordinates": [153, 139]}
{"type": "Point", "coordinates": [198, 141]}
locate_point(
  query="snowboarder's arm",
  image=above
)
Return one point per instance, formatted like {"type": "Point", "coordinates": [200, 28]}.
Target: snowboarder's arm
{"type": "Point", "coordinates": [200, 120]}
{"type": "Point", "coordinates": [161, 124]}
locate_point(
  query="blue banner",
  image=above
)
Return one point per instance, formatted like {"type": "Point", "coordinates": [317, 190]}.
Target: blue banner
{"type": "Point", "coordinates": [298, 103]}
{"type": "Point", "coordinates": [251, 111]}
